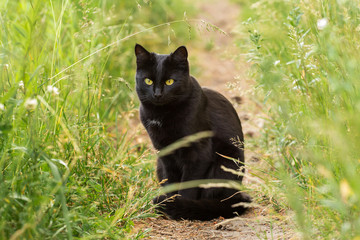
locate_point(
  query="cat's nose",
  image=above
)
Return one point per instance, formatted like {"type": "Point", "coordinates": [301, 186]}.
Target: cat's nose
{"type": "Point", "coordinates": [157, 93]}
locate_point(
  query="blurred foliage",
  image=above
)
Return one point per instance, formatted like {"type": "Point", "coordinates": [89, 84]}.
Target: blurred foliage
{"type": "Point", "coordinates": [304, 55]}
{"type": "Point", "coordinates": [70, 166]}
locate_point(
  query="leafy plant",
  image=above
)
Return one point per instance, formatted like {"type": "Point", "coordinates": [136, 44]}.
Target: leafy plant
{"type": "Point", "coordinates": [306, 71]}
{"type": "Point", "coordinates": [70, 160]}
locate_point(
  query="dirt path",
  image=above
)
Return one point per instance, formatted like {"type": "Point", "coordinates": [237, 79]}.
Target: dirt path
{"type": "Point", "coordinates": [221, 67]}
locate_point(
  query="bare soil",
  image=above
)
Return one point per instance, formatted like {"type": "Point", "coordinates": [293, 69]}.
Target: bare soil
{"type": "Point", "coordinates": [222, 68]}
{"type": "Point", "coordinates": [256, 224]}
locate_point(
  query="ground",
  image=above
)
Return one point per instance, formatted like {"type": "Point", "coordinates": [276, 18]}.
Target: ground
{"type": "Point", "coordinates": [256, 224]}
{"type": "Point", "coordinates": [222, 67]}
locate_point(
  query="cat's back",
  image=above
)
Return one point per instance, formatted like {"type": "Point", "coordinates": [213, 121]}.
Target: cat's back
{"type": "Point", "coordinates": [223, 117]}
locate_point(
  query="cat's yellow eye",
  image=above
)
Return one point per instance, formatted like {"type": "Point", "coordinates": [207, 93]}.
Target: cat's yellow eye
{"type": "Point", "coordinates": [148, 81]}
{"type": "Point", "coordinates": [169, 82]}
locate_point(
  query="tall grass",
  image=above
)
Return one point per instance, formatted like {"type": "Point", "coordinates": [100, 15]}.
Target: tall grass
{"type": "Point", "coordinates": [305, 57]}
{"type": "Point", "coordinates": [70, 167]}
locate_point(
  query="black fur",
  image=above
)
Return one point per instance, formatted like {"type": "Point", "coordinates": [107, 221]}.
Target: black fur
{"type": "Point", "coordinates": [182, 109]}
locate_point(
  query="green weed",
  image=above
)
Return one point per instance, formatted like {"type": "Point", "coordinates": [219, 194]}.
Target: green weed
{"type": "Point", "coordinates": [70, 163]}
{"type": "Point", "coordinates": [305, 59]}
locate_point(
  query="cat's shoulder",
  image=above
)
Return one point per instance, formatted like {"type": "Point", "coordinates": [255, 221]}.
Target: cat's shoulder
{"type": "Point", "coordinates": [213, 95]}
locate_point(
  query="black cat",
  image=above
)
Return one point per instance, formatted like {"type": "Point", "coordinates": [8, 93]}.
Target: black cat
{"type": "Point", "coordinates": [173, 105]}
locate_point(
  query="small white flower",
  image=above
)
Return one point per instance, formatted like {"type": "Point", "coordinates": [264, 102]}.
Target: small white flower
{"type": "Point", "coordinates": [6, 65]}
{"type": "Point", "coordinates": [2, 107]}
{"type": "Point", "coordinates": [322, 23]}
{"type": "Point", "coordinates": [31, 103]}
{"type": "Point", "coordinates": [276, 62]}
{"type": "Point", "coordinates": [296, 88]}
{"type": "Point", "coordinates": [56, 90]}
{"type": "Point", "coordinates": [53, 90]}
{"type": "Point", "coordinates": [49, 88]}
{"type": "Point", "coordinates": [21, 84]}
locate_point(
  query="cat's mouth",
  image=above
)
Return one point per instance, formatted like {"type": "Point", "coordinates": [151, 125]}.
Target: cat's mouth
{"type": "Point", "coordinates": [159, 102]}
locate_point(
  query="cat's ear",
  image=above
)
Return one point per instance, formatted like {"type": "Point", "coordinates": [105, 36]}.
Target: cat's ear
{"type": "Point", "coordinates": [141, 53]}
{"type": "Point", "coordinates": [180, 54]}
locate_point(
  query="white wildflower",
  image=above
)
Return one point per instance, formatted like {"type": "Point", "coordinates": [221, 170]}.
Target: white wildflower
{"type": "Point", "coordinates": [276, 62]}
{"type": "Point", "coordinates": [2, 107]}
{"type": "Point", "coordinates": [322, 23]}
{"type": "Point", "coordinates": [21, 84]}
{"type": "Point", "coordinates": [6, 65]}
{"type": "Point", "coordinates": [31, 103]}
{"type": "Point", "coordinates": [56, 90]}
{"type": "Point", "coordinates": [52, 90]}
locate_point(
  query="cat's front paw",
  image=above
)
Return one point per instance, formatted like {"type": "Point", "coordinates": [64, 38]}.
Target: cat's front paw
{"type": "Point", "coordinates": [167, 206]}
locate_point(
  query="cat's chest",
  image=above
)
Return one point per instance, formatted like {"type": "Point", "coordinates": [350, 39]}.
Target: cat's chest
{"type": "Point", "coordinates": [169, 121]}
{"type": "Point", "coordinates": [160, 128]}
{"type": "Point", "coordinates": [153, 123]}
{"type": "Point", "coordinates": [163, 131]}
{"type": "Point", "coordinates": [163, 134]}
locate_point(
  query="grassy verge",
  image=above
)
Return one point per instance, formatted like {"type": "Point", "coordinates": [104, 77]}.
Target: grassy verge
{"type": "Point", "coordinates": [69, 165]}
{"type": "Point", "coordinates": [305, 59]}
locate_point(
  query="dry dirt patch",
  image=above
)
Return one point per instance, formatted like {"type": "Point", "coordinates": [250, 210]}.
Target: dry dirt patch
{"type": "Point", "coordinates": [256, 224]}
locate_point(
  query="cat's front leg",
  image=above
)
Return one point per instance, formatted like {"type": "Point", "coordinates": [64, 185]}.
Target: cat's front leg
{"type": "Point", "coordinates": [190, 193]}
{"type": "Point", "coordinates": [190, 173]}
{"type": "Point", "coordinates": [168, 173]}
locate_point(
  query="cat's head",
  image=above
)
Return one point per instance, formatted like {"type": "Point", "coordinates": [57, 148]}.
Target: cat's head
{"type": "Point", "coordinates": [162, 79]}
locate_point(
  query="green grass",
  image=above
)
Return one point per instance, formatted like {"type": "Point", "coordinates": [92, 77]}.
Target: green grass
{"type": "Point", "coordinates": [70, 166]}
{"type": "Point", "coordinates": [308, 77]}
